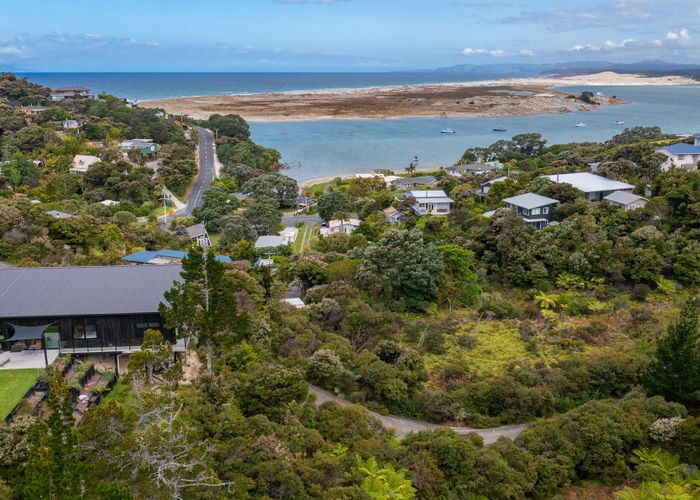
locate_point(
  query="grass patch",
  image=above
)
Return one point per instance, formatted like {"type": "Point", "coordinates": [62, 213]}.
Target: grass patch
{"type": "Point", "coordinates": [123, 393]}
{"type": "Point", "coordinates": [13, 385]}
{"type": "Point", "coordinates": [304, 233]}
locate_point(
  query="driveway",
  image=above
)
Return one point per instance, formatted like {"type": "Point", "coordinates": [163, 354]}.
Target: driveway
{"type": "Point", "coordinates": [310, 220]}
{"type": "Point", "coordinates": [403, 426]}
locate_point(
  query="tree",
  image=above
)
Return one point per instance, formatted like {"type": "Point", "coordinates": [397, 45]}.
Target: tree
{"type": "Point", "coordinates": [268, 388]}
{"type": "Point", "coordinates": [230, 125]}
{"type": "Point", "coordinates": [460, 282]}
{"type": "Point", "coordinates": [21, 171]}
{"type": "Point", "coordinates": [217, 203]}
{"type": "Point", "coordinates": [264, 216]}
{"type": "Point", "coordinates": [384, 483]}
{"type": "Point", "coordinates": [203, 306]}
{"type": "Point", "coordinates": [235, 229]}
{"type": "Point", "coordinates": [674, 372]}
{"type": "Point", "coordinates": [276, 186]}
{"type": "Point", "coordinates": [53, 468]}
{"type": "Point", "coordinates": [309, 269]}
{"type": "Point", "coordinates": [402, 267]}
{"type": "Point", "coordinates": [333, 202]}
{"type": "Point", "coordinates": [156, 354]}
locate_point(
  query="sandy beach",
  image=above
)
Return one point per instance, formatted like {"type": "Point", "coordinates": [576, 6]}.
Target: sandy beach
{"type": "Point", "coordinates": [508, 97]}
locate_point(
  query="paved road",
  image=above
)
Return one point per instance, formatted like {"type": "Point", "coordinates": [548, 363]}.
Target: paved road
{"type": "Point", "coordinates": [309, 220]}
{"type": "Point", "coordinates": [207, 170]}
{"type": "Point", "coordinates": [402, 426]}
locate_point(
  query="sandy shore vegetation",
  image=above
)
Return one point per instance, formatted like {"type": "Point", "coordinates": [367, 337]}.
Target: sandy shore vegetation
{"type": "Point", "coordinates": [510, 97]}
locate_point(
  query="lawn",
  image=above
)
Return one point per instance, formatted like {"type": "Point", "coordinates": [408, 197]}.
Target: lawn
{"type": "Point", "coordinates": [302, 239]}
{"type": "Point", "coordinates": [13, 385]}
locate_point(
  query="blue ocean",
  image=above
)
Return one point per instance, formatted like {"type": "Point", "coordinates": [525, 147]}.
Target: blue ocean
{"type": "Point", "coordinates": [338, 147]}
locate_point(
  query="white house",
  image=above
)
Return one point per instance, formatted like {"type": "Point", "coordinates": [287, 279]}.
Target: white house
{"type": "Point", "coordinates": [70, 124]}
{"type": "Point", "coordinates": [109, 203]}
{"type": "Point", "coordinates": [57, 214]}
{"type": "Point", "coordinates": [295, 302]}
{"type": "Point", "coordinates": [434, 202]}
{"type": "Point", "coordinates": [595, 186]}
{"type": "Point", "coordinates": [81, 164]}
{"type": "Point", "coordinates": [337, 226]}
{"type": "Point", "coordinates": [289, 234]}
{"type": "Point", "coordinates": [682, 154]}
{"type": "Point", "coordinates": [628, 201]}
{"type": "Point", "coordinates": [474, 168]}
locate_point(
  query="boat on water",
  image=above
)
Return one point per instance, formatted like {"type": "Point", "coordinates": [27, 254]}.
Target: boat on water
{"type": "Point", "coordinates": [580, 124]}
{"type": "Point", "coordinates": [500, 129]}
{"type": "Point", "coordinates": [447, 131]}
{"type": "Point", "coordinates": [619, 122]}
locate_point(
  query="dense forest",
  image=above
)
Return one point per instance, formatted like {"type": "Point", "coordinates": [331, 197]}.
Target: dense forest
{"type": "Point", "coordinates": [586, 331]}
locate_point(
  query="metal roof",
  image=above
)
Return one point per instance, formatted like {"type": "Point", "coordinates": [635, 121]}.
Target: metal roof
{"type": "Point", "coordinates": [589, 183]}
{"type": "Point", "coordinates": [623, 197]}
{"type": "Point", "coordinates": [424, 179]}
{"type": "Point", "coordinates": [434, 196]}
{"type": "Point", "coordinates": [196, 230]}
{"type": "Point", "coordinates": [146, 256]}
{"type": "Point", "coordinates": [269, 241]}
{"type": "Point", "coordinates": [84, 291]}
{"type": "Point", "coordinates": [682, 149]}
{"type": "Point", "coordinates": [530, 200]}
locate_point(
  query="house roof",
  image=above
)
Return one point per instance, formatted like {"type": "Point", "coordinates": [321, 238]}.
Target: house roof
{"type": "Point", "coordinates": [589, 183]}
{"type": "Point", "coordinates": [84, 291]}
{"type": "Point", "coordinates": [272, 240]}
{"type": "Point", "coordinates": [476, 167]}
{"type": "Point", "coordinates": [682, 148]}
{"type": "Point", "coordinates": [196, 230]}
{"type": "Point", "coordinates": [623, 197]}
{"type": "Point", "coordinates": [148, 256]}
{"type": "Point", "coordinates": [57, 214]}
{"type": "Point", "coordinates": [71, 89]}
{"type": "Point", "coordinates": [83, 162]}
{"type": "Point", "coordinates": [494, 181]}
{"type": "Point", "coordinates": [295, 302]}
{"type": "Point", "coordinates": [529, 201]}
{"type": "Point", "coordinates": [431, 196]}
{"type": "Point", "coordinates": [289, 231]}
{"type": "Point", "coordinates": [345, 222]}
{"type": "Point", "coordinates": [390, 211]}
{"type": "Point", "coordinates": [423, 179]}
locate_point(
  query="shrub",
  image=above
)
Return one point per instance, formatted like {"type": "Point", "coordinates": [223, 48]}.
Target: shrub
{"type": "Point", "coordinates": [324, 368]}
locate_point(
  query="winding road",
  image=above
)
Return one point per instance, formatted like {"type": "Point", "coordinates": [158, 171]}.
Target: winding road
{"type": "Point", "coordinates": [207, 170]}
{"type": "Point", "coordinates": [403, 426]}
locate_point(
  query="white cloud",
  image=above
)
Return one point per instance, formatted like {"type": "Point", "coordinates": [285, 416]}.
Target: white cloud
{"type": "Point", "coordinates": [496, 52]}
{"type": "Point", "coordinates": [673, 40]}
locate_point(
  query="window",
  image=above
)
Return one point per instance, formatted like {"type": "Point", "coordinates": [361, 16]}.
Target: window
{"type": "Point", "coordinates": [78, 332]}
{"type": "Point", "coordinates": [545, 210]}
{"type": "Point", "coordinates": [535, 211]}
{"type": "Point", "coordinates": [90, 331]}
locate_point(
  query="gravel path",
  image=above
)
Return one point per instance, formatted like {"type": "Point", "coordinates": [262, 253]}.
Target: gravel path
{"type": "Point", "coordinates": [402, 426]}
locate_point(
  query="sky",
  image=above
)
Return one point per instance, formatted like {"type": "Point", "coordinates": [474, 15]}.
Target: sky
{"type": "Point", "coordinates": [339, 35]}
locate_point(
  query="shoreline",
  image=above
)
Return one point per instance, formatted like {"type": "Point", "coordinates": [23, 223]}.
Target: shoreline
{"type": "Point", "coordinates": [486, 98]}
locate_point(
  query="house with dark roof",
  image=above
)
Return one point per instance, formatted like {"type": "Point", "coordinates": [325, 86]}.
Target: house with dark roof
{"type": "Point", "coordinates": [71, 93]}
{"type": "Point", "coordinates": [535, 209]}
{"type": "Point", "coordinates": [85, 310]}
{"type": "Point", "coordinates": [682, 155]}
{"type": "Point", "coordinates": [413, 182]}
{"type": "Point", "coordinates": [198, 233]}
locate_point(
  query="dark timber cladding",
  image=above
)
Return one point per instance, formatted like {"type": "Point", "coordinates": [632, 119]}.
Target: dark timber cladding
{"type": "Point", "coordinates": [96, 309]}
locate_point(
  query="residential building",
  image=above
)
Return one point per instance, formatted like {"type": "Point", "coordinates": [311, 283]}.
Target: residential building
{"type": "Point", "coordinates": [533, 208]}
{"type": "Point", "coordinates": [594, 186]}
{"type": "Point", "coordinates": [682, 155]}
{"type": "Point", "coordinates": [295, 302]}
{"type": "Point", "coordinates": [32, 110]}
{"type": "Point", "coordinates": [289, 234]}
{"type": "Point", "coordinates": [63, 93]}
{"type": "Point", "coordinates": [393, 216]}
{"type": "Point", "coordinates": [70, 124]}
{"type": "Point", "coordinates": [485, 186]}
{"type": "Point", "coordinates": [144, 146]}
{"type": "Point", "coordinates": [626, 200]}
{"type": "Point", "coordinates": [198, 233]}
{"type": "Point", "coordinates": [109, 203]}
{"type": "Point", "coordinates": [337, 226]}
{"type": "Point", "coordinates": [164, 257]}
{"type": "Point", "coordinates": [270, 241]}
{"type": "Point", "coordinates": [414, 182]}
{"type": "Point", "coordinates": [57, 214]}
{"type": "Point", "coordinates": [82, 163]}
{"type": "Point", "coordinates": [91, 309]}
{"type": "Point", "coordinates": [264, 262]}
{"type": "Point", "coordinates": [474, 168]}
{"type": "Point", "coordinates": [304, 202]}
{"type": "Point", "coordinates": [434, 202]}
